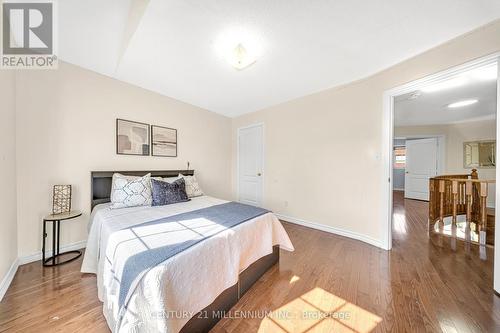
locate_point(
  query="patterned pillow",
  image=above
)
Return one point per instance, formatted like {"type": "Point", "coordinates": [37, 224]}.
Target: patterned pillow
{"type": "Point", "coordinates": [193, 189]}
{"type": "Point", "coordinates": [130, 191]}
{"type": "Point", "coordinates": [165, 193]}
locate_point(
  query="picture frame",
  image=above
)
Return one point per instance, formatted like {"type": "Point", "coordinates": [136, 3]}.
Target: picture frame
{"type": "Point", "coordinates": [163, 141]}
{"type": "Point", "coordinates": [479, 154]}
{"type": "Point", "coordinates": [132, 138]}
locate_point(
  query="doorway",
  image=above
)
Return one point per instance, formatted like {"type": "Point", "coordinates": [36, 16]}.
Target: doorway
{"type": "Point", "coordinates": [413, 90]}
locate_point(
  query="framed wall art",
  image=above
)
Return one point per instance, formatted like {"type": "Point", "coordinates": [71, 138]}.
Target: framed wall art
{"type": "Point", "coordinates": [132, 138]}
{"type": "Point", "coordinates": [164, 141]}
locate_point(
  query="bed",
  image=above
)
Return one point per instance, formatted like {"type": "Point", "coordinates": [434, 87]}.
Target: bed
{"type": "Point", "coordinates": [188, 291]}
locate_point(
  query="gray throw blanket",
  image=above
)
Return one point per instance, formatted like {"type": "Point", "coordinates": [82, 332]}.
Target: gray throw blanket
{"type": "Point", "coordinates": [227, 215]}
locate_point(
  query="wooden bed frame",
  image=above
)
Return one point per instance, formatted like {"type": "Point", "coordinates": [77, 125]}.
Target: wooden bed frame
{"type": "Point", "coordinates": [100, 193]}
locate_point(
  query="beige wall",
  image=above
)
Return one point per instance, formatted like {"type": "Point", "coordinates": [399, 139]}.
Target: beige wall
{"type": "Point", "coordinates": [455, 136]}
{"type": "Point", "coordinates": [66, 128]}
{"type": "Point", "coordinates": [8, 232]}
{"type": "Point", "coordinates": [323, 151]}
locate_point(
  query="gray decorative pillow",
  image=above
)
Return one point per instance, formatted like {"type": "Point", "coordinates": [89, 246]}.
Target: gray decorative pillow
{"type": "Point", "coordinates": [165, 193]}
{"type": "Point", "coordinates": [193, 189]}
{"type": "Point", "coordinates": [130, 191]}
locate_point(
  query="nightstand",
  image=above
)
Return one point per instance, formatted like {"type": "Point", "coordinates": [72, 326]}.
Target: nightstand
{"type": "Point", "coordinates": [56, 220]}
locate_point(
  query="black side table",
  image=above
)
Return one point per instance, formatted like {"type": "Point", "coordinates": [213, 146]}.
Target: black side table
{"type": "Point", "coordinates": [56, 227]}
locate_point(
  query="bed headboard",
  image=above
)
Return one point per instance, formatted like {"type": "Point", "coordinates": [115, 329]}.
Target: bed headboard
{"type": "Point", "coordinates": [100, 182]}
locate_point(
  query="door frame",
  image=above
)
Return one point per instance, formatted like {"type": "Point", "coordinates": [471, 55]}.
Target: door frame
{"type": "Point", "coordinates": [388, 141]}
{"type": "Point", "coordinates": [238, 131]}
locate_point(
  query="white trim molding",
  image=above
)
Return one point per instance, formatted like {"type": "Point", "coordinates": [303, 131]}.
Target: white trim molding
{"type": "Point", "coordinates": [496, 264]}
{"type": "Point", "coordinates": [332, 230]}
{"type": "Point", "coordinates": [7, 280]}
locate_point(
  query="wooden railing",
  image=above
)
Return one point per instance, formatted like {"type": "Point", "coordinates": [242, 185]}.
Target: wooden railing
{"type": "Point", "coordinates": [455, 195]}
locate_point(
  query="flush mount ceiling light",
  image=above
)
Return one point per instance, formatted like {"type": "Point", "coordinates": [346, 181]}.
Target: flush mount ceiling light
{"type": "Point", "coordinates": [241, 59]}
{"type": "Point", "coordinates": [239, 47]}
{"type": "Point", "coordinates": [462, 103]}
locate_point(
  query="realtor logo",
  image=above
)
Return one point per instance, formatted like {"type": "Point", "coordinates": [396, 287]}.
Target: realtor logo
{"type": "Point", "coordinates": [28, 35]}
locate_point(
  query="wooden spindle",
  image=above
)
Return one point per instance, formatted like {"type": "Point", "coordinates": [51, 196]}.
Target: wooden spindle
{"type": "Point", "coordinates": [483, 192]}
{"type": "Point", "coordinates": [441, 200]}
{"type": "Point", "coordinates": [468, 201]}
{"type": "Point", "coordinates": [474, 174]}
{"type": "Point", "coordinates": [454, 192]}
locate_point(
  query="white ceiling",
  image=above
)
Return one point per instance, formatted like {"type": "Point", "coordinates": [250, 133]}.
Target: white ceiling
{"type": "Point", "coordinates": [431, 108]}
{"type": "Point", "coordinates": [170, 46]}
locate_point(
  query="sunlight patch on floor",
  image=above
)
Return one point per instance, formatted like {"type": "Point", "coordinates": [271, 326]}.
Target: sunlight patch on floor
{"type": "Point", "coordinates": [399, 223]}
{"type": "Point", "coordinates": [319, 311]}
{"type": "Point", "coordinates": [459, 231]}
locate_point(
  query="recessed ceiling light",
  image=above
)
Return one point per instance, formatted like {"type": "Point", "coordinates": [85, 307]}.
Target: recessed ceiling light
{"type": "Point", "coordinates": [462, 103]}
{"type": "Point", "coordinates": [452, 83]}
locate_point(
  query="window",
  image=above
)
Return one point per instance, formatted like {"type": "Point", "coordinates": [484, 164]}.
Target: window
{"type": "Point", "coordinates": [399, 157]}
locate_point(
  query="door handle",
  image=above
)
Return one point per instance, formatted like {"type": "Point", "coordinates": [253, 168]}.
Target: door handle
{"type": "Point", "coordinates": [259, 174]}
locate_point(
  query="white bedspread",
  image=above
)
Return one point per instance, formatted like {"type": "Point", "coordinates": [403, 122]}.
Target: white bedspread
{"type": "Point", "coordinates": [171, 293]}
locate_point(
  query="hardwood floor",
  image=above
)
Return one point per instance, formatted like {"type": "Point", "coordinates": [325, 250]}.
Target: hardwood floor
{"type": "Point", "coordinates": [329, 284]}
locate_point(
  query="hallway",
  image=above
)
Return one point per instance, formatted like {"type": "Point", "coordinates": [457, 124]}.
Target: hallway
{"type": "Point", "coordinates": [450, 280]}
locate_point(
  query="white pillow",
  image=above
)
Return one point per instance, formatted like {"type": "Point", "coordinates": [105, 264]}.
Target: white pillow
{"type": "Point", "coordinates": [170, 180]}
{"type": "Point", "coordinates": [130, 191]}
{"type": "Point", "coordinates": [193, 189]}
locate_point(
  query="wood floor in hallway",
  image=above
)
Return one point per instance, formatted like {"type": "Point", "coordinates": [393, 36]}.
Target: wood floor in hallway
{"type": "Point", "coordinates": [329, 284]}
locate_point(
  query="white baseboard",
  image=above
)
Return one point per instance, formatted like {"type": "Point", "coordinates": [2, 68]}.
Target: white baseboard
{"type": "Point", "coordinates": [4, 285]}
{"type": "Point", "coordinates": [333, 230]}
{"type": "Point", "coordinates": [398, 189]}
{"type": "Point", "coordinates": [38, 255]}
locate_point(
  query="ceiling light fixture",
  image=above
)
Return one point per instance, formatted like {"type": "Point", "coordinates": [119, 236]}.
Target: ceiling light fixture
{"type": "Point", "coordinates": [452, 83]}
{"type": "Point", "coordinates": [463, 103]}
{"type": "Point", "coordinates": [240, 47]}
{"type": "Point", "coordinates": [241, 59]}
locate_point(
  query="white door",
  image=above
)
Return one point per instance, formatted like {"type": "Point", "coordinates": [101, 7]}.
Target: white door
{"type": "Point", "coordinates": [421, 164]}
{"type": "Point", "coordinates": [250, 164]}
